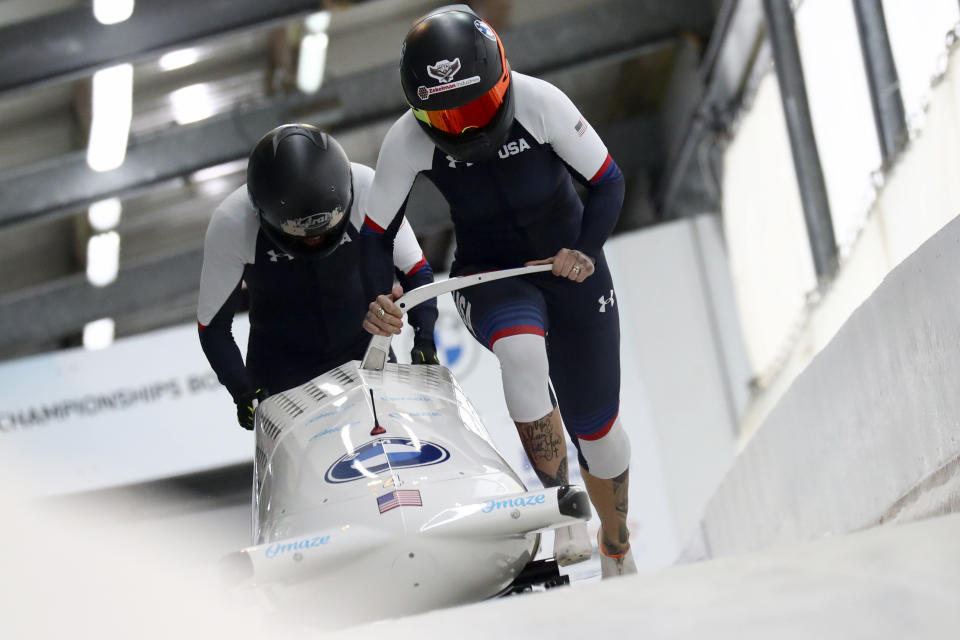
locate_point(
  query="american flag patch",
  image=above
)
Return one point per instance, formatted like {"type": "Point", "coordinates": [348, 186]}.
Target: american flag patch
{"type": "Point", "coordinates": [581, 127]}
{"type": "Point", "coordinates": [399, 498]}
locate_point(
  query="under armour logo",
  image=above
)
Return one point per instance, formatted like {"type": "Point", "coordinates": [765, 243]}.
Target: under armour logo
{"type": "Point", "coordinates": [454, 162]}
{"type": "Point", "coordinates": [274, 255]}
{"type": "Point", "coordinates": [605, 301]}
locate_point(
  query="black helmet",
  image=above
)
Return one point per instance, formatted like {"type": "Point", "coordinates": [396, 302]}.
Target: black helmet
{"type": "Point", "coordinates": [456, 79]}
{"type": "Point", "coordinates": [299, 181]}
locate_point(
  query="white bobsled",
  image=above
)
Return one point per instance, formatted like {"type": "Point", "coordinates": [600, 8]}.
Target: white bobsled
{"type": "Point", "coordinates": [378, 492]}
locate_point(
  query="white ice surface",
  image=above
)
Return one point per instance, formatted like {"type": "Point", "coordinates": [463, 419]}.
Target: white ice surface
{"type": "Point", "coordinates": [895, 582]}
{"type": "Point", "coordinates": [66, 575]}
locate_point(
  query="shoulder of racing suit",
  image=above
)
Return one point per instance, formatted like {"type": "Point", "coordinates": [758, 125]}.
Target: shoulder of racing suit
{"type": "Point", "coordinates": [552, 118]}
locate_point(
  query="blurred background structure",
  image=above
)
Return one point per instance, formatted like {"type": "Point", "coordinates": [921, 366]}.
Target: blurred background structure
{"type": "Point", "coordinates": [119, 139]}
{"type": "Point", "coordinates": [785, 259]}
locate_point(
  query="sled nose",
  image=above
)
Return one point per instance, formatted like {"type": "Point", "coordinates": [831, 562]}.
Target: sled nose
{"type": "Point", "coordinates": [514, 514]}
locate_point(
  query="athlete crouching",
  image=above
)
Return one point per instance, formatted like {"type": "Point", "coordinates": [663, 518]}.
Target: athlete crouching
{"type": "Point", "coordinates": [292, 234]}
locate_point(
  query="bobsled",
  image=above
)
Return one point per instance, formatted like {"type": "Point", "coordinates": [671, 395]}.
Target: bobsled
{"type": "Point", "coordinates": [378, 492]}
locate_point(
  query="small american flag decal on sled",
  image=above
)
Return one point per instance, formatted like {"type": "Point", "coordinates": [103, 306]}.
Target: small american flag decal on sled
{"type": "Point", "coordinates": [399, 498]}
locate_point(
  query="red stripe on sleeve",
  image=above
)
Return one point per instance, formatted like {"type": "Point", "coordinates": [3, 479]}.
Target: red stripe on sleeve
{"type": "Point", "coordinates": [418, 266]}
{"type": "Point", "coordinates": [373, 225]}
{"type": "Point", "coordinates": [602, 170]}
{"type": "Point", "coordinates": [201, 326]}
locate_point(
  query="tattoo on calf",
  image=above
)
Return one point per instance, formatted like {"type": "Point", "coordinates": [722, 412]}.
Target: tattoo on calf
{"type": "Point", "coordinates": [620, 498]}
{"type": "Point", "coordinates": [560, 479]}
{"type": "Point", "coordinates": [543, 447]}
{"type": "Point", "coordinates": [539, 441]}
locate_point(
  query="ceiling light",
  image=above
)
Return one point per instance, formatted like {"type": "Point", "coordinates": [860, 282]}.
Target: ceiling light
{"type": "Point", "coordinates": [103, 258]}
{"type": "Point", "coordinates": [317, 22]}
{"type": "Point", "coordinates": [178, 59]}
{"type": "Point", "coordinates": [98, 334]}
{"type": "Point", "coordinates": [192, 103]}
{"type": "Point", "coordinates": [112, 11]}
{"type": "Point", "coordinates": [312, 61]}
{"type": "Point", "coordinates": [112, 111]}
{"type": "Point", "coordinates": [105, 214]}
{"type": "Point", "coordinates": [219, 170]}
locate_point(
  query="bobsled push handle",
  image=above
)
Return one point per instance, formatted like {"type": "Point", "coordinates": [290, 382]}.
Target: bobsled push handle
{"type": "Point", "coordinates": [378, 352]}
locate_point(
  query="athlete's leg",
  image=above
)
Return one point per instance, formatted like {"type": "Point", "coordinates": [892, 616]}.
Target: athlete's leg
{"type": "Point", "coordinates": [525, 374]}
{"type": "Point", "coordinates": [584, 349]}
{"type": "Point", "coordinates": [609, 497]}
{"type": "Point", "coordinates": [508, 317]}
{"type": "Point", "coordinates": [523, 364]}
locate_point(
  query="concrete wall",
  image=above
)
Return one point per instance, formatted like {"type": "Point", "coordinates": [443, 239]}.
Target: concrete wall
{"type": "Point", "coordinates": [683, 355]}
{"type": "Point", "coordinates": [786, 320]}
{"type": "Point", "coordinates": [870, 431]}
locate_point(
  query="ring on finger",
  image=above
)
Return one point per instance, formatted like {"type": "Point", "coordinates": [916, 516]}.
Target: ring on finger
{"type": "Point", "coordinates": [381, 312]}
{"type": "Point", "coordinates": [576, 269]}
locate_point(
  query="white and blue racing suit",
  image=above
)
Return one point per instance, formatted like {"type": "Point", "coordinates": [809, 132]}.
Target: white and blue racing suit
{"type": "Point", "coordinates": [305, 315]}
{"type": "Point", "coordinates": [518, 207]}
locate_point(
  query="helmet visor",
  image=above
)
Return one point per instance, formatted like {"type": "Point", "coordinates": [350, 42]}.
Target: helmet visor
{"type": "Point", "coordinates": [473, 115]}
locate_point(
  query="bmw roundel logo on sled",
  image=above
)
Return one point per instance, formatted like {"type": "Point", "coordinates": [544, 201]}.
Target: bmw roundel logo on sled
{"type": "Point", "coordinates": [377, 456]}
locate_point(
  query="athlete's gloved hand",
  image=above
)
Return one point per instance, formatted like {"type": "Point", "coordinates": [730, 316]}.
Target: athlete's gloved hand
{"type": "Point", "coordinates": [247, 404]}
{"type": "Point", "coordinates": [424, 352]}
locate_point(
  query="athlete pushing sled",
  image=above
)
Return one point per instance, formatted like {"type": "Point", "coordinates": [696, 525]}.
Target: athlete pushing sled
{"type": "Point", "coordinates": [501, 147]}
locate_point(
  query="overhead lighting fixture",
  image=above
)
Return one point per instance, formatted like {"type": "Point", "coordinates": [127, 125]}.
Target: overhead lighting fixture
{"type": "Point", "coordinates": [219, 170]}
{"type": "Point", "coordinates": [103, 258]}
{"type": "Point", "coordinates": [178, 59]}
{"type": "Point", "coordinates": [192, 103]}
{"type": "Point", "coordinates": [98, 334]}
{"type": "Point", "coordinates": [216, 180]}
{"type": "Point", "coordinates": [104, 215]}
{"type": "Point", "coordinates": [312, 60]}
{"type": "Point", "coordinates": [112, 111]}
{"type": "Point", "coordinates": [112, 11]}
{"type": "Point", "coordinates": [317, 22]}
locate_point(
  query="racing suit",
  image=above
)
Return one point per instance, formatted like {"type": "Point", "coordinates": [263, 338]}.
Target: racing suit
{"type": "Point", "coordinates": [305, 315]}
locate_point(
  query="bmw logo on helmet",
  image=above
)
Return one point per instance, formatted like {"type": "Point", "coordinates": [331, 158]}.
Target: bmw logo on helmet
{"type": "Point", "coordinates": [485, 29]}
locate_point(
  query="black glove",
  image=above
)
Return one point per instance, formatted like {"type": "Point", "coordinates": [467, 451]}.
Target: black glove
{"type": "Point", "coordinates": [247, 404]}
{"type": "Point", "coordinates": [424, 352]}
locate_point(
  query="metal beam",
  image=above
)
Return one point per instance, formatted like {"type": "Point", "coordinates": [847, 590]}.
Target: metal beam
{"type": "Point", "coordinates": [803, 144]}
{"type": "Point", "coordinates": [734, 49]}
{"type": "Point", "coordinates": [607, 28]}
{"type": "Point", "coordinates": [882, 76]}
{"type": "Point", "coordinates": [61, 308]}
{"type": "Point", "coordinates": [71, 43]}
